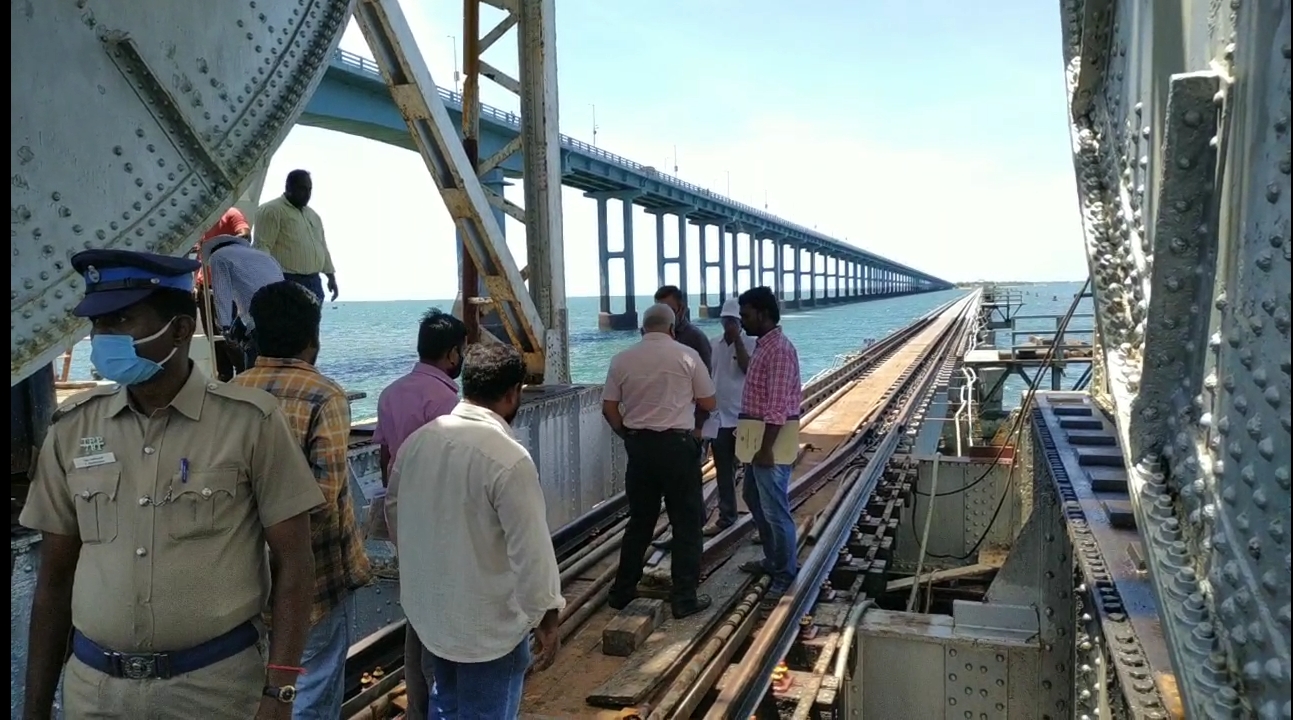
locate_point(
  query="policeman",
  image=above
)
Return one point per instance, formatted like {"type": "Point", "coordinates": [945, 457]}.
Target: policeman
{"type": "Point", "coordinates": [155, 498]}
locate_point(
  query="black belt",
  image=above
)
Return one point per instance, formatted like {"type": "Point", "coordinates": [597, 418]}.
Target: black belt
{"type": "Point", "coordinates": [160, 666]}
{"type": "Point", "coordinates": [674, 431]}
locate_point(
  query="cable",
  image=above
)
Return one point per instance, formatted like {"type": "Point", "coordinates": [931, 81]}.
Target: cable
{"type": "Point", "coordinates": [1047, 361]}
{"type": "Point", "coordinates": [1024, 407]}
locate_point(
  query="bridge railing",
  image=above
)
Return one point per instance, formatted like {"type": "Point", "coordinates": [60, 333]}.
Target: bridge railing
{"type": "Point", "coordinates": [512, 120]}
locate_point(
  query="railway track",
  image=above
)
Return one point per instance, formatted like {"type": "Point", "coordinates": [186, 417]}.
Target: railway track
{"type": "Point", "coordinates": [856, 419]}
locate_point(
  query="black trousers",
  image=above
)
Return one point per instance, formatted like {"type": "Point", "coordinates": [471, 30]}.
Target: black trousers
{"type": "Point", "coordinates": [662, 465]}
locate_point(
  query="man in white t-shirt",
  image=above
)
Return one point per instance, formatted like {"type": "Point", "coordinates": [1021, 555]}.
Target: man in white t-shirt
{"type": "Point", "coordinates": [730, 358]}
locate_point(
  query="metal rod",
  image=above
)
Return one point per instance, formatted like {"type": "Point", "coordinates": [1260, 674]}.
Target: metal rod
{"type": "Point", "coordinates": [722, 642]}
{"type": "Point", "coordinates": [924, 535]}
{"type": "Point", "coordinates": [828, 511]}
{"type": "Point", "coordinates": [587, 593]}
{"type": "Point", "coordinates": [590, 544]}
{"type": "Point", "coordinates": [567, 539]}
{"type": "Point", "coordinates": [607, 544]}
{"type": "Point", "coordinates": [602, 580]}
{"type": "Point", "coordinates": [578, 618]}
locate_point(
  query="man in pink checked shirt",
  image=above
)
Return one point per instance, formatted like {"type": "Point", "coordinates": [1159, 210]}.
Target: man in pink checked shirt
{"type": "Point", "coordinates": [427, 392]}
{"type": "Point", "coordinates": [772, 397]}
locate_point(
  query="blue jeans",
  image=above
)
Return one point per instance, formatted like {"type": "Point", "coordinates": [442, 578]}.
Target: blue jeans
{"type": "Point", "coordinates": [313, 283]}
{"type": "Point", "coordinates": [766, 494]}
{"type": "Point", "coordinates": [320, 690]}
{"type": "Point", "coordinates": [477, 691]}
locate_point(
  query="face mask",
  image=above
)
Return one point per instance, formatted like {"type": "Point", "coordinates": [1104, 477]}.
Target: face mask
{"type": "Point", "coordinates": [115, 358]}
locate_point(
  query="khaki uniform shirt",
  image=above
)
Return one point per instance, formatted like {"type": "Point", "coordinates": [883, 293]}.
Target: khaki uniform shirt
{"type": "Point", "coordinates": [169, 559]}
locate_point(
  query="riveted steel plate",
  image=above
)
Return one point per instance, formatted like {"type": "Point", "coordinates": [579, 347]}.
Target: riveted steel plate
{"type": "Point", "coordinates": [1180, 116]}
{"type": "Point", "coordinates": [134, 124]}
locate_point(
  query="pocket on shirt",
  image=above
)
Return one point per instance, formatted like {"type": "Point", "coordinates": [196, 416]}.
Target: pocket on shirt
{"type": "Point", "coordinates": [94, 494]}
{"type": "Point", "coordinates": [205, 506]}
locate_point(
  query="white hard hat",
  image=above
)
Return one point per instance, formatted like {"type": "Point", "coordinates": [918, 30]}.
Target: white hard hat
{"type": "Point", "coordinates": [731, 309]}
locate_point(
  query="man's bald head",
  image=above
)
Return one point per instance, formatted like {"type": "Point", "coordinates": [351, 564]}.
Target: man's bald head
{"type": "Point", "coordinates": [658, 318]}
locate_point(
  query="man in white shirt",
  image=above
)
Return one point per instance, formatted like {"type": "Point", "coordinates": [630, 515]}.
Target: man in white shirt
{"type": "Point", "coordinates": [484, 575]}
{"type": "Point", "coordinates": [652, 392]}
{"type": "Point", "coordinates": [730, 357]}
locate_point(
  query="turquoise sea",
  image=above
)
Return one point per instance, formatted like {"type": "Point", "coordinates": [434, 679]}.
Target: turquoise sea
{"type": "Point", "coordinates": [366, 345]}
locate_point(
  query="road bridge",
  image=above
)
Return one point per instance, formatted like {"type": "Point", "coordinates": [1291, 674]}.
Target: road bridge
{"type": "Point", "coordinates": [803, 266]}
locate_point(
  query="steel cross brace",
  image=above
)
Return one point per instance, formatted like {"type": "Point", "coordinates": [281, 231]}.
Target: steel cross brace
{"type": "Point", "coordinates": [416, 95]}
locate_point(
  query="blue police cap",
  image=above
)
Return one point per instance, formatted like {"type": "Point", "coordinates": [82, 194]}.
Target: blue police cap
{"type": "Point", "coordinates": [117, 279]}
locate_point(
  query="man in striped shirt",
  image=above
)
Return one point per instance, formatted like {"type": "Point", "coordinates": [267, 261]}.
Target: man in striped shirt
{"type": "Point", "coordinates": [772, 396]}
{"type": "Point", "coordinates": [291, 231]}
{"type": "Point", "coordinates": [237, 271]}
{"type": "Point", "coordinates": [318, 413]}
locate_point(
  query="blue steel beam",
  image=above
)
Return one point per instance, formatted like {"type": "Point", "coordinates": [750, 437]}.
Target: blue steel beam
{"type": "Point", "coordinates": [353, 99]}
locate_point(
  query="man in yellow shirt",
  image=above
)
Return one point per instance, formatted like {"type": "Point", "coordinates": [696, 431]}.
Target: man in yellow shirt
{"type": "Point", "coordinates": [291, 231]}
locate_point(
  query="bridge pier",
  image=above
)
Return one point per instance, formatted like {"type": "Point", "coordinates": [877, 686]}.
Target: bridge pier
{"type": "Point", "coordinates": [679, 258]}
{"type": "Point", "coordinates": [768, 265]}
{"type": "Point", "coordinates": [738, 267]}
{"type": "Point", "coordinates": [796, 296]}
{"type": "Point", "coordinates": [811, 272]}
{"type": "Point", "coordinates": [830, 279]}
{"type": "Point", "coordinates": [704, 308]}
{"type": "Point", "coordinates": [779, 264]}
{"type": "Point", "coordinates": [606, 318]}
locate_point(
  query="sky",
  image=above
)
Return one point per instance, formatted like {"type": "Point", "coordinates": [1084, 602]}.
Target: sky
{"type": "Point", "coordinates": [931, 132]}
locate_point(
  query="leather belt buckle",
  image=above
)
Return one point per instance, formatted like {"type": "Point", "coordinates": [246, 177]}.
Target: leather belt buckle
{"type": "Point", "coordinates": [141, 666]}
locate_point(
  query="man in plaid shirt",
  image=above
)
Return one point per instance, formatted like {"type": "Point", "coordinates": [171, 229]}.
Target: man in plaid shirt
{"type": "Point", "coordinates": [772, 396]}
{"type": "Point", "coordinates": [287, 319]}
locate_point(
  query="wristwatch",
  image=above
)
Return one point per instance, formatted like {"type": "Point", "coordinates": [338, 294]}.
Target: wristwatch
{"type": "Point", "coordinates": [285, 694]}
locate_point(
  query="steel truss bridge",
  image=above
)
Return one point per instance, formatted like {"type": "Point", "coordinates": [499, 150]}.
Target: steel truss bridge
{"type": "Point", "coordinates": [1118, 550]}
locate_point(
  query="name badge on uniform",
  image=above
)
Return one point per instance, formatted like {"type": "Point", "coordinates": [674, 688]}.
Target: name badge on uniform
{"type": "Point", "coordinates": [91, 461]}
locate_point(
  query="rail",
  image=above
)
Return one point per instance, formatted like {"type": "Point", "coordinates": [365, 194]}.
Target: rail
{"type": "Point", "coordinates": [365, 66]}
{"type": "Point", "coordinates": [748, 681]}
{"type": "Point", "coordinates": [588, 544]}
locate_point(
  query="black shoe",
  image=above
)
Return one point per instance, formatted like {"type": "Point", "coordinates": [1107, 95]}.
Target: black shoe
{"type": "Point", "coordinates": [754, 567]}
{"type": "Point", "coordinates": [682, 610]}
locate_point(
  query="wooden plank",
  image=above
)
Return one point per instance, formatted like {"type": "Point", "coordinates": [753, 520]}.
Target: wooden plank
{"type": "Point", "coordinates": [659, 655]}
{"type": "Point", "coordinates": [961, 573]}
{"type": "Point", "coordinates": [632, 627]}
